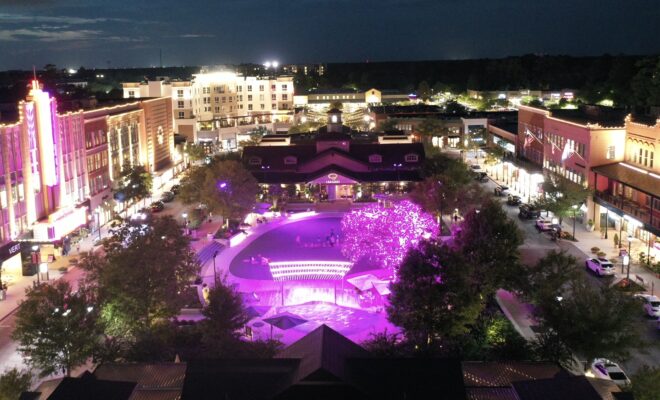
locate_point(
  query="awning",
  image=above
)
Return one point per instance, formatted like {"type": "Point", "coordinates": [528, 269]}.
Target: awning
{"type": "Point", "coordinates": [634, 178]}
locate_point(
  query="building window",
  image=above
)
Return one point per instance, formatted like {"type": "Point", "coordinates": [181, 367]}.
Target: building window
{"type": "Point", "coordinates": [249, 97]}
{"type": "Point", "coordinates": [273, 87]}
{"type": "Point", "coordinates": [261, 88]}
{"type": "Point", "coordinates": [131, 94]}
{"type": "Point", "coordinates": [179, 104]}
{"type": "Point", "coordinates": [285, 97]}
{"type": "Point", "coordinates": [375, 159]}
{"type": "Point", "coordinates": [290, 160]}
{"type": "Point", "coordinates": [274, 106]}
{"type": "Point", "coordinates": [273, 97]}
{"type": "Point", "coordinates": [250, 107]}
{"type": "Point", "coordinates": [611, 151]}
{"type": "Point", "coordinates": [651, 160]}
{"type": "Point", "coordinates": [249, 88]}
{"type": "Point", "coordinates": [182, 114]}
{"type": "Point", "coordinates": [284, 88]}
{"type": "Point", "coordinates": [254, 161]}
{"type": "Point", "coordinates": [239, 88]}
{"type": "Point", "coordinates": [263, 106]}
{"type": "Point", "coordinates": [411, 158]}
{"type": "Point", "coordinates": [206, 90]}
{"type": "Point", "coordinates": [224, 99]}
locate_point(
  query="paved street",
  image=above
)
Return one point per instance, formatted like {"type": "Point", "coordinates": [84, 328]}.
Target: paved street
{"type": "Point", "coordinates": [537, 244]}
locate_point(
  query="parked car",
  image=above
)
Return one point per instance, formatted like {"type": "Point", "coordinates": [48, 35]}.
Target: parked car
{"type": "Point", "coordinates": [544, 225]}
{"type": "Point", "coordinates": [513, 200]}
{"type": "Point", "coordinates": [157, 206]}
{"type": "Point", "coordinates": [527, 211]}
{"type": "Point", "coordinates": [166, 197]}
{"type": "Point", "coordinates": [481, 177]}
{"type": "Point", "coordinates": [175, 189]}
{"type": "Point", "coordinates": [476, 168]}
{"type": "Point", "coordinates": [501, 190]}
{"type": "Point", "coordinates": [651, 304]}
{"type": "Point", "coordinates": [600, 266]}
{"type": "Point", "coordinates": [605, 369]}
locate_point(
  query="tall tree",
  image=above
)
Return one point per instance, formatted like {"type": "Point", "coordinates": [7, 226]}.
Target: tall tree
{"type": "Point", "coordinates": [195, 151]}
{"type": "Point", "coordinates": [561, 196]}
{"type": "Point", "coordinates": [429, 128]}
{"type": "Point", "coordinates": [13, 382]}
{"type": "Point", "coordinates": [551, 275]}
{"type": "Point", "coordinates": [224, 187]}
{"type": "Point", "coordinates": [141, 275]}
{"type": "Point", "coordinates": [490, 241]}
{"type": "Point", "coordinates": [424, 91]}
{"type": "Point", "coordinates": [434, 297]}
{"type": "Point", "coordinates": [225, 318]}
{"type": "Point", "coordinates": [646, 383]}
{"type": "Point", "coordinates": [592, 322]}
{"type": "Point", "coordinates": [57, 328]}
{"type": "Point", "coordinates": [134, 184]}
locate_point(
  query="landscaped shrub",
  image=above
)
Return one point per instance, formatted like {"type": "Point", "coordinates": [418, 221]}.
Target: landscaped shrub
{"type": "Point", "coordinates": [595, 250]}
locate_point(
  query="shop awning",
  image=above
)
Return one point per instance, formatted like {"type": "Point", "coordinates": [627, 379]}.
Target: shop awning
{"type": "Point", "coordinates": [632, 177]}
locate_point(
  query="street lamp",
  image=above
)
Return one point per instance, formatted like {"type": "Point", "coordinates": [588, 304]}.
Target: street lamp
{"type": "Point", "coordinates": [396, 167]}
{"type": "Point", "coordinates": [215, 273]}
{"type": "Point", "coordinates": [35, 260]}
{"type": "Point", "coordinates": [98, 222]}
{"type": "Point", "coordinates": [574, 218]}
{"type": "Point", "coordinates": [628, 256]}
{"type": "Point", "coordinates": [185, 221]}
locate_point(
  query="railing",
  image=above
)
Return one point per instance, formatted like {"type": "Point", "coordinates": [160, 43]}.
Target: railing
{"type": "Point", "coordinates": [309, 270]}
{"type": "Point", "coordinates": [635, 210]}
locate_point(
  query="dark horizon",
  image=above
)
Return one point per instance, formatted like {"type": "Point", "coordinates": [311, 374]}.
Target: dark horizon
{"type": "Point", "coordinates": [98, 34]}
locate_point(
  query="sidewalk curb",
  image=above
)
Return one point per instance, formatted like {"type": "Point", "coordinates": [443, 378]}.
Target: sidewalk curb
{"type": "Point", "coordinates": [12, 311]}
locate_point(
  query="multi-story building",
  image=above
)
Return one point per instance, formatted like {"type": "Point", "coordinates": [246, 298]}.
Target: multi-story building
{"type": "Point", "coordinates": [135, 133]}
{"type": "Point", "coordinates": [570, 142]}
{"type": "Point", "coordinates": [627, 190]}
{"type": "Point", "coordinates": [42, 175]}
{"type": "Point", "coordinates": [213, 100]}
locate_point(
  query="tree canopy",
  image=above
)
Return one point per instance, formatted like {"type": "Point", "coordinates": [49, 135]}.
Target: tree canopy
{"type": "Point", "coordinates": [141, 275]}
{"type": "Point", "coordinates": [225, 187]}
{"type": "Point", "coordinates": [561, 196]}
{"type": "Point", "coordinates": [434, 298]}
{"type": "Point", "coordinates": [134, 184]}
{"type": "Point", "coordinates": [57, 328]}
{"type": "Point", "coordinates": [13, 382]}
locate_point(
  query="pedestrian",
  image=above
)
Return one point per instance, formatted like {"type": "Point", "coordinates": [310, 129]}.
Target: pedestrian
{"type": "Point", "coordinates": [205, 293]}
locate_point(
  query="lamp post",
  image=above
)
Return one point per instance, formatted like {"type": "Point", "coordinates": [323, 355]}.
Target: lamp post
{"type": "Point", "coordinates": [574, 218]}
{"type": "Point", "coordinates": [185, 221]}
{"type": "Point", "coordinates": [215, 273]}
{"type": "Point", "coordinates": [35, 260]}
{"type": "Point", "coordinates": [396, 167]}
{"type": "Point", "coordinates": [629, 255]}
{"type": "Point", "coordinates": [97, 213]}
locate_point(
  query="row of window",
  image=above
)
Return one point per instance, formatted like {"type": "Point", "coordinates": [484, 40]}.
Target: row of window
{"type": "Point", "coordinates": [562, 142]}
{"type": "Point", "coordinates": [374, 159]}
{"type": "Point", "coordinates": [95, 138]}
{"type": "Point", "coordinates": [97, 161]}
{"type": "Point", "coordinates": [640, 153]}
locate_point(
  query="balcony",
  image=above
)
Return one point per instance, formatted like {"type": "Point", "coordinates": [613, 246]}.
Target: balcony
{"type": "Point", "coordinates": [630, 208]}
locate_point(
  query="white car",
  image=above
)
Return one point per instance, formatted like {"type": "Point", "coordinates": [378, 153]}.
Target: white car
{"type": "Point", "coordinates": [543, 224]}
{"type": "Point", "coordinates": [600, 266]}
{"type": "Point", "coordinates": [651, 305]}
{"type": "Point", "coordinates": [476, 168]}
{"type": "Point", "coordinates": [605, 369]}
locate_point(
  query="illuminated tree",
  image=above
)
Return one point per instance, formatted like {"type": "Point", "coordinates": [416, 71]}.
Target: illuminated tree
{"type": "Point", "coordinates": [385, 234]}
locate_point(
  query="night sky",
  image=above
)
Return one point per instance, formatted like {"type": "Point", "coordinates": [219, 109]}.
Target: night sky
{"type": "Point", "coordinates": [118, 33]}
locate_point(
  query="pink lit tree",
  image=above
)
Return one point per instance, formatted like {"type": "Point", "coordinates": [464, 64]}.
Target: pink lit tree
{"type": "Point", "coordinates": [385, 234]}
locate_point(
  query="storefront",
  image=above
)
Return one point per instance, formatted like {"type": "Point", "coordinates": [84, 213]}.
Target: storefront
{"type": "Point", "coordinates": [10, 261]}
{"type": "Point", "coordinates": [59, 224]}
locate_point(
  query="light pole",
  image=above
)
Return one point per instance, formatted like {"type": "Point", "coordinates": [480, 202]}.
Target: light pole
{"type": "Point", "coordinates": [185, 221]}
{"type": "Point", "coordinates": [574, 218]}
{"type": "Point", "coordinates": [396, 167]}
{"type": "Point", "coordinates": [215, 273]}
{"type": "Point", "coordinates": [98, 222]}
{"type": "Point", "coordinates": [629, 258]}
{"type": "Point", "coordinates": [35, 261]}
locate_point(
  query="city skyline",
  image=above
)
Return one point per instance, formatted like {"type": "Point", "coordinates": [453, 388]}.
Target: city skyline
{"type": "Point", "coordinates": [97, 34]}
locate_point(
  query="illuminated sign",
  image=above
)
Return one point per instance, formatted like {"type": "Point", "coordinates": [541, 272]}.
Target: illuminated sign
{"type": "Point", "coordinates": [333, 176]}
{"type": "Point", "coordinates": [9, 250]}
{"type": "Point", "coordinates": [46, 141]}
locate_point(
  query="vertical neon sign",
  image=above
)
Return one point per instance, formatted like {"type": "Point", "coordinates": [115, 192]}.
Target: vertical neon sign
{"type": "Point", "coordinates": [45, 135]}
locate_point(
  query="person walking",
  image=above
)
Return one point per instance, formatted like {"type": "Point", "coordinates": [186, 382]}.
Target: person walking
{"type": "Point", "coordinates": [206, 293]}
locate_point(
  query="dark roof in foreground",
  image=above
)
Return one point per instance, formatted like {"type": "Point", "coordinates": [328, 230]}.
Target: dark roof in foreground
{"type": "Point", "coordinates": [162, 381]}
{"type": "Point", "coordinates": [573, 388]}
{"type": "Point", "coordinates": [87, 387]}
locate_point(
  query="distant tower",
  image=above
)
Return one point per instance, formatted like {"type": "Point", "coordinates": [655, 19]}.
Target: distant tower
{"type": "Point", "coordinates": [334, 120]}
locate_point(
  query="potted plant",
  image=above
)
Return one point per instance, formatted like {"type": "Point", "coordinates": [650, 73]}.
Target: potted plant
{"type": "Point", "coordinates": [590, 225]}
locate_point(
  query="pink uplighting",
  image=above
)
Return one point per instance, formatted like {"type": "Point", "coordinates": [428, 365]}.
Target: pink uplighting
{"type": "Point", "coordinates": [384, 234]}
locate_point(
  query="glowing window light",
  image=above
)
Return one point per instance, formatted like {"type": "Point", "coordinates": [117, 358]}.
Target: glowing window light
{"type": "Point", "coordinates": [308, 270]}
